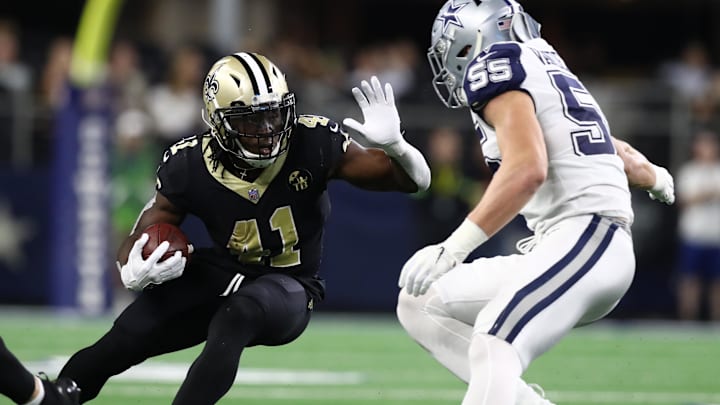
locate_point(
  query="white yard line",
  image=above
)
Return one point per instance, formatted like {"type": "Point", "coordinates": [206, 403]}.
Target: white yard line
{"type": "Point", "coordinates": [161, 372]}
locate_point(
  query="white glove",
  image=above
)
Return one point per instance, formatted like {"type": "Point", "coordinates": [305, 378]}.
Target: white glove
{"type": "Point", "coordinates": [424, 267]}
{"type": "Point", "coordinates": [382, 121]}
{"type": "Point", "coordinates": [382, 130]}
{"type": "Point", "coordinates": [138, 273]}
{"type": "Point", "coordinates": [431, 262]}
{"type": "Point", "coordinates": [664, 188]}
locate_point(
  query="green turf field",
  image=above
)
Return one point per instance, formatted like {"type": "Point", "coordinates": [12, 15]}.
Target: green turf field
{"type": "Point", "coordinates": [369, 360]}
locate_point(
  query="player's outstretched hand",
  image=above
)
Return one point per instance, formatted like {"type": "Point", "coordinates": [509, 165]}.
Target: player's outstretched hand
{"type": "Point", "coordinates": [424, 267]}
{"type": "Point", "coordinates": [381, 128]}
{"type": "Point", "coordinates": [138, 273]}
{"type": "Point", "coordinates": [664, 188]}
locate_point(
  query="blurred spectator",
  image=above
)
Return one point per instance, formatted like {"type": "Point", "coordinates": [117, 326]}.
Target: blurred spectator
{"type": "Point", "coordinates": [129, 88]}
{"type": "Point", "coordinates": [127, 78]}
{"type": "Point", "coordinates": [401, 64]}
{"type": "Point", "coordinates": [705, 109]}
{"type": "Point", "coordinates": [15, 101]}
{"type": "Point", "coordinates": [394, 62]}
{"type": "Point", "coordinates": [698, 194]}
{"type": "Point", "coordinates": [14, 75]}
{"type": "Point", "coordinates": [175, 104]}
{"type": "Point", "coordinates": [55, 73]}
{"type": "Point", "coordinates": [318, 74]}
{"type": "Point", "coordinates": [690, 74]}
{"type": "Point", "coordinates": [452, 192]}
{"type": "Point", "coordinates": [134, 157]}
{"type": "Point", "coordinates": [50, 90]}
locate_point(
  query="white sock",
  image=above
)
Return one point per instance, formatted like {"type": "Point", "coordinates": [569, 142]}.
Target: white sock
{"type": "Point", "coordinates": [494, 371]}
{"type": "Point", "coordinates": [39, 393]}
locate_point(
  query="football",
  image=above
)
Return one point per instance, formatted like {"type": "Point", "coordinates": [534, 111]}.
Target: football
{"type": "Point", "coordinates": [158, 233]}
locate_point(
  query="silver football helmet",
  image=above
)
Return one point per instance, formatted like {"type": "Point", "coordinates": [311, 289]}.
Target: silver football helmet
{"type": "Point", "coordinates": [249, 108]}
{"type": "Point", "coordinates": [462, 29]}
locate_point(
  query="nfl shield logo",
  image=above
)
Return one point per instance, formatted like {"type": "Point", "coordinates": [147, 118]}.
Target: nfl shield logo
{"type": "Point", "coordinates": [253, 194]}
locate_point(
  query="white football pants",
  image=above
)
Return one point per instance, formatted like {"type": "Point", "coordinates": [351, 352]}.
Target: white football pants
{"type": "Point", "coordinates": [576, 274]}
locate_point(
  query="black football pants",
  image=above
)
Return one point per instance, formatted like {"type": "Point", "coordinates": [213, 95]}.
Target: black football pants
{"type": "Point", "coordinates": [270, 310]}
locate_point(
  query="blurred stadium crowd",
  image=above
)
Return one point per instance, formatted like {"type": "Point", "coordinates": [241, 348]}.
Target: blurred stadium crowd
{"type": "Point", "coordinates": [659, 89]}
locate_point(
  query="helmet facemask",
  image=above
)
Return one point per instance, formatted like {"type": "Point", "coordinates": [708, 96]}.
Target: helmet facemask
{"type": "Point", "coordinates": [256, 134]}
{"type": "Point", "coordinates": [447, 80]}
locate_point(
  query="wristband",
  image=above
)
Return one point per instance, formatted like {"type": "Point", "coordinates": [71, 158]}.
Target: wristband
{"type": "Point", "coordinates": [466, 238]}
{"type": "Point", "coordinates": [398, 148]}
{"type": "Point", "coordinates": [412, 161]}
{"type": "Point", "coordinates": [660, 182]}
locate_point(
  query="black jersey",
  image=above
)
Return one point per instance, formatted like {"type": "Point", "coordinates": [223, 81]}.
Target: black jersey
{"type": "Point", "coordinates": [271, 225]}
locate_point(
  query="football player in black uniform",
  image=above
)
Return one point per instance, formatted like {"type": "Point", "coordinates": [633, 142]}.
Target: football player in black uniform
{"type": "Point", "coordinates": [258, 180]}
{"type": "Point", "coordinates": [22, 387]}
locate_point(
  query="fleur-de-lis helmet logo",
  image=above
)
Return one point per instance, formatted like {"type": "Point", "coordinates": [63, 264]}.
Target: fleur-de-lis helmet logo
{"type": "Point", "coordinates": [211, 86]}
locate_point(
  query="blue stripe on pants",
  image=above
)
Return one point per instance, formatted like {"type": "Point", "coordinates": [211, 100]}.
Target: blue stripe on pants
{"type": "Point", "coordinates": [544, 303]}
{"type": "Point", "coordinates": [548, 275]}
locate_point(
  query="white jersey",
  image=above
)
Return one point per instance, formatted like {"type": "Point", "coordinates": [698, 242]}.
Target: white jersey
{"type": "Point", "coordinates": [585, 174]}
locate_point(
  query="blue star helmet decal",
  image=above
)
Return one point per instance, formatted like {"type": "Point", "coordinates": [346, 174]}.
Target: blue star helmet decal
{"type": "Point", "coordinates": [449, 15]}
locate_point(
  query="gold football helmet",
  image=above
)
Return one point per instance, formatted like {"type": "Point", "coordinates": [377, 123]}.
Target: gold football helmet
{"type": "Point", "coordinates": [249, 108]}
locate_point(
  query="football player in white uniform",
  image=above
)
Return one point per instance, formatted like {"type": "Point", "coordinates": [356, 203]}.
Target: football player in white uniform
{"type": "Point", "coordinates": [557, 164]}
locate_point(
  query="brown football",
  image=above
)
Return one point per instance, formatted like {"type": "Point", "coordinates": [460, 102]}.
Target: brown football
{"type": "Point", "coordinates": [158, 233]}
